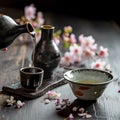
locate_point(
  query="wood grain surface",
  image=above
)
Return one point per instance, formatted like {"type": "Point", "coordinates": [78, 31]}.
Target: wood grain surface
{"type": "Point", "coordinates": [107, 107]}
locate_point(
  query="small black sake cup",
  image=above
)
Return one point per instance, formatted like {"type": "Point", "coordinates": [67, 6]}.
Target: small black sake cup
{"type": "Point", "coordinates": [31, 78]}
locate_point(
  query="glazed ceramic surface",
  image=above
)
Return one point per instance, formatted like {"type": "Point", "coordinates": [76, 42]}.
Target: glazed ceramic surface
{"type": "Point", "coordinates": [10, 30]}
{"type": "Point", "coordinates": [47, 54]}
{"type": "Point", "coordinates": [31, 78]}
{"type": "Point", "coordinates": [88, 84]}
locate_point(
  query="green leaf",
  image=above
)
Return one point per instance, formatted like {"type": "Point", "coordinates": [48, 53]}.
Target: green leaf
{"type": "Point", "coordinates": [57, 33]}
{"type": "Point", "coordinates": [66, 44]}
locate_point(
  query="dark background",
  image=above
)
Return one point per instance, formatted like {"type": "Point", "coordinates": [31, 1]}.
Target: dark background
{"type": "Point", "coordinates": [80, 8]}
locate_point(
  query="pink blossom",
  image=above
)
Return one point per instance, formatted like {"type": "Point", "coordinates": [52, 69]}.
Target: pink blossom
{"type": "Point", "coordinates": [76, 52]}
{"type": "Point", "coordinates": [81, 39]}
{"type": "Point", "coordinates": [86, 41]}
{"type": "Point", "coordinates": [77, 58]}
{"type": "Point", "coordinates": [10, 101]}
{"type": "Point", "coordinates": [84, 115]}
{"type": "Point", "coordinates": [52, 95]}
{"type": "Point", "coordinates": [98, 64]}
{"type": "Point", "coordinates": [58, 107]}
{"type": "Point", "coordinates": [108, 67]}
{"type": "Point", "coordinates": [40, 20]}
{"type": "Point", "coordinates": [66, 38]}
{"type": "Point", "coordinates": [57, 41]}
{"type": "Point", "coordinates": [103, 52]}
{"type": "Point", "coordinates": [30, 12]}
{"type": "Point", "coordinates": [20, 104]}
{"type": "Point", "coordinates": [67, 59]}
{"type": "Point", "coordinates": [39, 16]}
{"type": "Point", "coordinates": [81, 110]}
{"type": "Point", "coordinates": [93, 47]}
{"type": "Point", "coordinates": [47, 101]}
{"type": "Point", "coordinates": [75, 49]}
{"type": "Point", "coordinates": [70, 117]}
{"type": "Point", "coordinates": [66, 35]}
{"type": "Point", "coordinates": [88, 53]}
{"type": "Point", "coordinates": [65, 102]}
{"type": "Point", "coordinates": [68, 29]}
{"type": "Point", "coordinates": [57, 102]}
{"type": "Point", "coordinates": [72, 39]}
{"type": "Point", "coordinates": [74, 109]}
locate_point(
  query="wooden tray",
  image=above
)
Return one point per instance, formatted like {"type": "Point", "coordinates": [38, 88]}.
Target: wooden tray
{"type": "Point", "coordinates": [48, 84]}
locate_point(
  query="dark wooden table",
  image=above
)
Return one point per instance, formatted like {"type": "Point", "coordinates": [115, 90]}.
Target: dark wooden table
{"type": "Point", "coordinates": [107, 107]}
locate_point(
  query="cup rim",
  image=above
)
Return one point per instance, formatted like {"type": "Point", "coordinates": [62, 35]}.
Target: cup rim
{"type": "Point", "coordinates": [33, 67]}
{"type": "Point", "coordinates": [87, 69]}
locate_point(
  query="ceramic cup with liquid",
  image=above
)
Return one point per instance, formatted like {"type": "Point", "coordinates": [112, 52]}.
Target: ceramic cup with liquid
{"type": "Point", "coordinates": [31, 78]}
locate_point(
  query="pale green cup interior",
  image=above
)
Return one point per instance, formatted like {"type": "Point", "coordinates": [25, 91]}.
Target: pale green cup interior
{"type": "Point", "coordinates": [88, 76]}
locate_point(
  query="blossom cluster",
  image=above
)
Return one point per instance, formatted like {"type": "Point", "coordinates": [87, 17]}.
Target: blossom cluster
{"type": "Point", "coordinates": [11, 102]}
{"type": "Point", "coordinates": [81, 49]}
{"type": "Point", "coordinates": [34, 17]}
{"type": "Point", "coordinates": [64, 103]}
{"type": "Point", "coordinates": [51, 95]}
